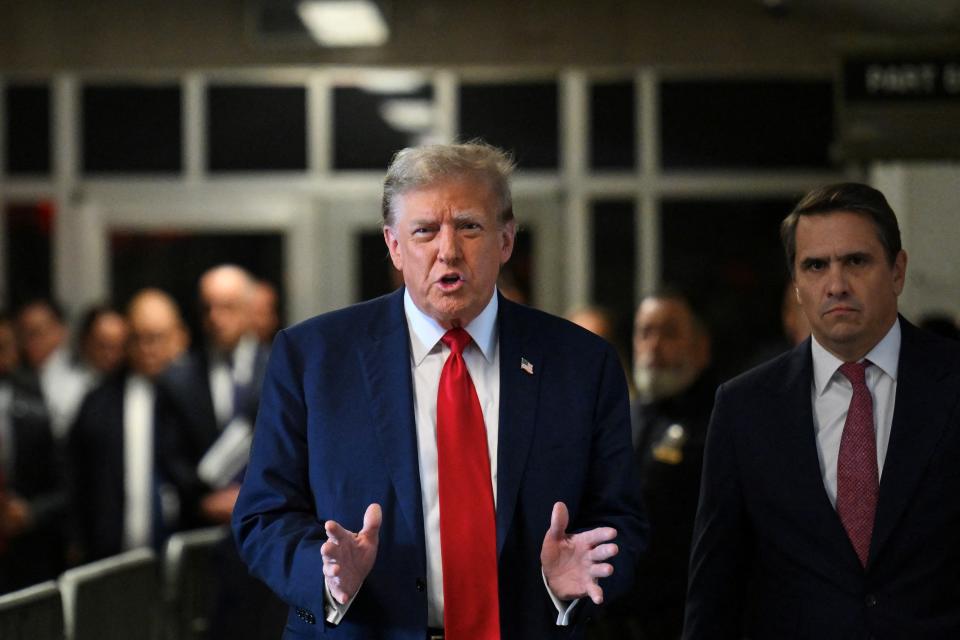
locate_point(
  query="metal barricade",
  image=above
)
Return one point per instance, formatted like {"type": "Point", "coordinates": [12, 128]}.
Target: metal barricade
{"type": "Point", "coordinates": [189, 582]}
{"type": "Point", "coordinates": [34, 613]}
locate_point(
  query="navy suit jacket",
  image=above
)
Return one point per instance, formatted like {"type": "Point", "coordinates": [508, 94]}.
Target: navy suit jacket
{"type": "Point", "coordinates": [336, 432]}
{"type": "Point", "coordinates": [771, 558]}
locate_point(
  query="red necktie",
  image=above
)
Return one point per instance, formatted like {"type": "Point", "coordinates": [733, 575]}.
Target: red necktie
{"type": "Point", "coordinates": [857, 476]}
{"type": "Point", "coordinates": [468, 534]}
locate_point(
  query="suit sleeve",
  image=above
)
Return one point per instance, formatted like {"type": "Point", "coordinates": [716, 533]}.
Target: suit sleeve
{"type": "Point", "coordinates": [277, 531]}
{"type": "Point", "coordinates": [722, 538]}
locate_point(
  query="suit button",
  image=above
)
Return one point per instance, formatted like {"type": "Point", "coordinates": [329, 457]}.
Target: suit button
{"type": "Point", "coordinates": [870, 600]}
{"type": "Point", "coordinates": [421, 585]}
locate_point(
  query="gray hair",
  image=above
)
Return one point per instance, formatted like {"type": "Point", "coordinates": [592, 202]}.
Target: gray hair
{"type": "Point", "coordinates": [419, 167]}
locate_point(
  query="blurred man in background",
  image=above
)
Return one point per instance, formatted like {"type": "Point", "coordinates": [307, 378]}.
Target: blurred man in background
{"type": "Point", "coordinates": [675, 386]}
{"type": "Point", "coordinates": [123, 432]}
{"type": "Point", "coordinates": [44, 342]}
{"type": "Point", "coordinates": [102, 342]}
{"type": "Point", "coordinates": [263, 311]}
{"type": "Point", "coordinates": [32, 498]}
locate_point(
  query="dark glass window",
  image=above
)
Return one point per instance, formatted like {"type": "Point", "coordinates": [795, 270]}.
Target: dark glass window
{"type": "Point", "coordinates": [614, 233]}
{"type": "Point", "coordinates": [28, 129]}
{"type": "Point", "coordinates": [175, 260]}
{"type": "Point", "coordinates": [370, 127]}
{"type": "Point", "coordinates": [257, 128]}
{"type": "Point", "coordinates": [28, 228]}
{"type": "Point", "coordinates": [612, 126]}
{"type": "Point", "coordinates": [132, 129]}
{"type": "Point", "coordinates": [746, 124]}
{"type": "Point", "coordinates": [519, 117]}
{"type": "Point", "coordinates": [727, 256]}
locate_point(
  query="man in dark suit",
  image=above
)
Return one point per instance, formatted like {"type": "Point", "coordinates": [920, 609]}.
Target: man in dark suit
{"type": "Point", "coordinates": [132, 480]}
{"type": "Point", "coordinates": [828, 506]}
{"type": "Point", "coordinates": [32, 496]}
{"type": "Point", "coordinates": [464, 437]}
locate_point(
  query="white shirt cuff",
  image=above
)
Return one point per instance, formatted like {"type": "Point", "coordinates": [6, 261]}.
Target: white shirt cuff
{"type": "Point", "coordinates": [334, 610]}
{"type": "Point", "coordinates": [564, 609]}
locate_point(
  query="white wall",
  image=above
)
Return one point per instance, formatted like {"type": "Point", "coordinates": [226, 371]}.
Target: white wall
{"type": "Point", "coordinates": [926, 199]}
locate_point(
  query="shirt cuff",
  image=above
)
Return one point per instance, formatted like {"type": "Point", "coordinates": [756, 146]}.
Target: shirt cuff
{"type": "Point", "coordinates": [334, 610]}
{"type": "Point", "coordinates": [564, 609]}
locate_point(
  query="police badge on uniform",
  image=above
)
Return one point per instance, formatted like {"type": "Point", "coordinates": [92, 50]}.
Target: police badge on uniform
{"type": "Point", "coordinates": [669, 449]}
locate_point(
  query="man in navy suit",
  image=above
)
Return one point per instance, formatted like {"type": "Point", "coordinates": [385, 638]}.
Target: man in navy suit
{"type": "Point", "coordinates": [339, 511]}
{"type": "Point", "coordinates": [829, 500]}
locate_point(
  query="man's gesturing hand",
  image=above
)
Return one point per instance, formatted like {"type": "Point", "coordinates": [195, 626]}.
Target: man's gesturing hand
{"type": "Point", "coordinates": [348, 557]}
{"type": "Point", "coordinates": [573, 563]}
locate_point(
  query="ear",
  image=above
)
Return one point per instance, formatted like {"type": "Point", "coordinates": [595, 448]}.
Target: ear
{"type": "Point", "coordinates": [393, 246]}
{"type": "Point", "coordinates": [899, 272]}
{"type": "Point", "coordinates": [508, 233]}
{"type": "Point", "coordinates": [796, 293]}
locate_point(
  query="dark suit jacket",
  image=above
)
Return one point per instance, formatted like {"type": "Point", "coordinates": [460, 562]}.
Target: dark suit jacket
{"type": "Point", "coordinates": [185, 388]}
{"type": "Point", "coordinates": [97, 468]}
{"type": "Point", "coordinates": [771, 558]}
{"type": "Point", "coordinates": [37, 477]}
{"type": "Point", "coordinates": [336, 432]}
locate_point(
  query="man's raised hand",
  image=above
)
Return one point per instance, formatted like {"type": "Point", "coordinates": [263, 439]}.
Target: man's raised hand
{"type": "Point", "coordinates": [572, 563]}
{"type": "Point", "coordinates": [348, 557]}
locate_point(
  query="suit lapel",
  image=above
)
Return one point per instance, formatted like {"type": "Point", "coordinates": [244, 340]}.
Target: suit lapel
{"type": "Point", "coordinates": [801, 466]}
{"type": "Point", "coordinates": [519, 392]}
{"type": "Point", "coordinates": [924, 397]}
{"type": "Point", "coordinates": [386, 361]}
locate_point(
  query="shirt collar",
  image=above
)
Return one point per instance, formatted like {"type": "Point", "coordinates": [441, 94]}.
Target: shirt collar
{"type": "Point", "coordinates": [885, 355]}
{"type": "Point", "coordinates": [425, 332]}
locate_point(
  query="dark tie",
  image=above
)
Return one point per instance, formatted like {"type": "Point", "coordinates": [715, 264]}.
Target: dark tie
{"type": "Point", "coordinates": [857, 475]}
{"type": "Point", "coordinates": [468, 535]}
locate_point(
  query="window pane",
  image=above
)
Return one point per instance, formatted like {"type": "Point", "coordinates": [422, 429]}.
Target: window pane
{"type": "Point", "coordinates": [174, 260]}
{"type": "Point", "coordinates": [28, 230]}
{"type": "Point", "coordinates": [257, 128]}
{"type": "Point", "coordinates": [612, 126]}
{"type": "Point", "coordinates": [727, 255]}
{"type": "Point", "coordinates": [131, 129]}
{"type": "Point", "coordinates": [746, 124]}
{"type": "Point", "coordinates": [28, 129]}
{"type": "Point", "coordinates": [518, 117]}
{"type": "Point", "coordinates": [614, 233]}
{"type": "Point", "coordinates": [370, 126]}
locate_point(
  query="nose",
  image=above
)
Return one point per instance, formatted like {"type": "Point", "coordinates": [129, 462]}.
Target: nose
{"type": "Point", "coordinates": [837, 285]}
{"type": "Point", "coordinates": [448, 248]}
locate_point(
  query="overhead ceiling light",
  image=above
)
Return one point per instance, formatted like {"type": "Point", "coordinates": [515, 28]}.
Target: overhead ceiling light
{"type": "Point", "coordinates": [344, 23]}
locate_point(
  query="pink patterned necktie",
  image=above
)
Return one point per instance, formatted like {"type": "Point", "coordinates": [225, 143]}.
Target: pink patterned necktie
{"type": "Point", "coordinates": [857, 475]}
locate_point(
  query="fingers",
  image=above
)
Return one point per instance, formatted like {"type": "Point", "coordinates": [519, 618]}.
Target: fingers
{"type": "Point", "coordinates": [559, 519]}
{"type": "Point", "coordinates": [372, 519]}
{"type": "Point", "coordinates": [602, 552]}
{"type": "Point", "coordinates": [335, 533]}
{"type": "Point", "coordinates": [595, 593]}
{"type": "Point", "coordinates": [597, 536]}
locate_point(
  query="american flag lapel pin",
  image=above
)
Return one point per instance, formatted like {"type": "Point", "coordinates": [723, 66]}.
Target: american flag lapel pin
{"type": "Point", "coordinates": [526, 366]}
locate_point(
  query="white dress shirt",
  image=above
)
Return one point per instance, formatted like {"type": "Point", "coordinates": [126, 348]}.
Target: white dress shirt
{"type": "Point", "coordinates": [138, 397]}
{"type": "Point", "coordinates": [63, 386]}
{"type": "Point", "coordinates": [831, 392]}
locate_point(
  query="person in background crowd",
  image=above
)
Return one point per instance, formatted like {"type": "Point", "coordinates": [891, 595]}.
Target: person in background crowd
{"type": "Point", "coordinates": [263, 311]}
{"type": "Point", "coordinates": [43, 337]}
{"type": "Point", "coordinates": [32, 496]}
{"type": "Point", "coordinates": [102, 342]}
{"type": "Point", "coordinates": [828, 506]}
{"type": "Point", "coordinates": [675, 387]}
{"type": "Point", "coordinates": [133, 483]}
{"type": "Point", "coordinates": [217, 391]}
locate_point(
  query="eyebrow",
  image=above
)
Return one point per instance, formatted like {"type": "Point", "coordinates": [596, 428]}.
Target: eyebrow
{"type": "Point", "coordinates": [863, 255]}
